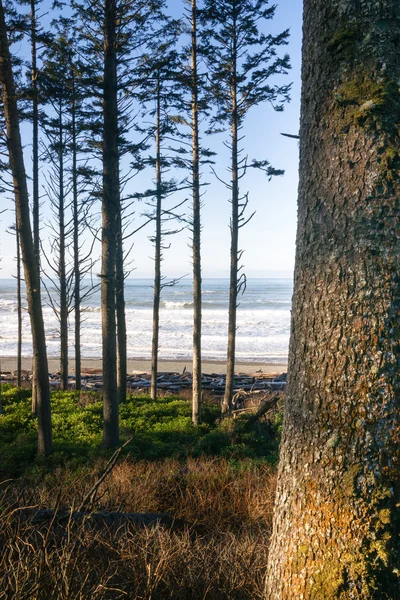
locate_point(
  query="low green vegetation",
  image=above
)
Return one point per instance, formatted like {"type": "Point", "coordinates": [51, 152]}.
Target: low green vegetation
{"type": "Point", "coordinates": [156, 430]}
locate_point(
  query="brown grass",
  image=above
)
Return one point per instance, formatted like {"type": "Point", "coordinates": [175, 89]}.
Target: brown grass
{"type": "Point", "coordinates": [220, 554]}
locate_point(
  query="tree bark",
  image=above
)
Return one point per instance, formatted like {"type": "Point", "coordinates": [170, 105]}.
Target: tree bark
{"type": "Point", "coordinates": [32, 279]}
{"type": "Point", "coordinates": [336, 524]}
{"type": "Point", "coordinates": [110, 215]}
{"type": "Point", "coordinates": [157, 257]}
{"type": "Point", "coordinates": [196, 248]}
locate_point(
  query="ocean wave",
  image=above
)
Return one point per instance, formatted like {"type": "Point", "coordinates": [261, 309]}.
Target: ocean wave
{"type": "Point", "coordinates": [272, 302]}
{"type": "Point", "coordinates": [8, 305]}
{"type": "Point", "coordinates": [91, 309]}
{"type": "Point", "coordinates": [170, 304]}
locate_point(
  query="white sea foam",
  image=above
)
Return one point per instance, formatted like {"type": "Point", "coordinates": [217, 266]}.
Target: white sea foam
{"type": "Point", "coordinates": [263, 322]}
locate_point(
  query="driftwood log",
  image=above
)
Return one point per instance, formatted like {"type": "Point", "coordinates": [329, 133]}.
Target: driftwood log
{"type": "Point", "coordinates": [266, 404]}
{"type": "Point", "coordinates": [96, 520]}
{"type": "Point", "coordinates": [265, 407]}
{"type": "Point", "coordinates": [91, 519]}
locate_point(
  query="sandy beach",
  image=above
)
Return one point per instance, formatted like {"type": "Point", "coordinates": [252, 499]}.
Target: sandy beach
{"type": "Point", "coordinates": [9, 363]}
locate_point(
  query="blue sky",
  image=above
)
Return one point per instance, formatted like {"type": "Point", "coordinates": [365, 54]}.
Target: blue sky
{"type": "Point", "coordinates": [269, 239]}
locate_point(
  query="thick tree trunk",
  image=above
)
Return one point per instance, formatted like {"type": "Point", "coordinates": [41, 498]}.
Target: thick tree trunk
{"type": "Point", "coordinates": [77, 270]}
{"type": "Point", "coordinates": [27, 246]}
{"type": "Point", "coordinates": [19, 310]}
{"type": "Point", "coordinates": [233, 286]}
{"type": "Point", "coordinates": [336, 525]}
{"type": "Point", "coordinates": [157, 258]}
{"type": "Point", "coordinates": [110, 215]}
{"type": "Point", "coordinates": [121, 319]}
{"type": "Point", "coordinates": [196, 392]}
{"type": "Point", "coordinates": [61, 262]}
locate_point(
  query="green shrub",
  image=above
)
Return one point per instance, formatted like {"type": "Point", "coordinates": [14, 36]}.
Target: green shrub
{"type": "Point", "coordinates": [17, 419]}
{"type": "Point", "coordinates": [11, 394]}
{"type": "Point", "coordinates": [158, 430]}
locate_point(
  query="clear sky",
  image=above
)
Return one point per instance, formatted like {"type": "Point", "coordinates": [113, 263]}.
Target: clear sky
{"type": "Point", "coordinates": [269, 239]}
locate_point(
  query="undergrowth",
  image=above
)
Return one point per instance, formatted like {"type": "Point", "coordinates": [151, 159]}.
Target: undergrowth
{"type": "Point", "coordinates": [217, 481]}
{"type": "Point", "coordinates": [157, 430]}
{"type": "Point", "coordinates": [220, 552]}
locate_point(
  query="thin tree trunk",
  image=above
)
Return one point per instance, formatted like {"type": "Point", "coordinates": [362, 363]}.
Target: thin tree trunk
{"type": "Point", "coordinates": [19, 311]}
{"type": "Point", "coordinates": [110, 215]}
{"type": "Point", "coordinates": [196, 392]}
{"type": "Point", "coordinates": [35, 137]}
{"type": "Point", "coordinates": [233, 284]}
{"type": "Point", "coordinates": [61, 264]}
{"type": "Point", "coordinates": [157, 256]}
{"type": "Point", "coordinates": [121, 319]}
{"type": "Point", "coordinates": [77, 272]}
{"type": "Point", "coordinates": [35, 169]}
{"type": "Point", "coordinates": [27, 246]}
{"type": "Point", "coordinates": [336, 531]}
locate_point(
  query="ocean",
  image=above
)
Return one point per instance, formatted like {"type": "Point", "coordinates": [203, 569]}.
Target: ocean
{"type": "Point", "coordinates": [263, 321]}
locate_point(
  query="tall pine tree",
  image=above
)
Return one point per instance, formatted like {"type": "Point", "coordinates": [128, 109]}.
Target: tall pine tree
{"type": "Point", "coordinates": [241, 59]}
{"type": "Point", "coordinates": [161, 94]}
{"type": "Point", "coordinates": [26, 239]}
{"type": "Point", "coordinates": [114, 30]}
{"type": "Point", "coordinates": [56, 91]}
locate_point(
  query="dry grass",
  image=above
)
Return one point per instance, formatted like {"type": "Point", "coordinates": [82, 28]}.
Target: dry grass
{"type": "Point", "coordinates": [220, 554]}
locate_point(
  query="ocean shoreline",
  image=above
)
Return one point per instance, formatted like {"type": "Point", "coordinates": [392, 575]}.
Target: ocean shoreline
{"type": "Point", "coordinates": [136, 366]}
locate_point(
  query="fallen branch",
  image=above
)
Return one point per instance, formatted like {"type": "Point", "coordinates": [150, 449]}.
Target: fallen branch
{"type": "Point", "coordinates": [91, 495]}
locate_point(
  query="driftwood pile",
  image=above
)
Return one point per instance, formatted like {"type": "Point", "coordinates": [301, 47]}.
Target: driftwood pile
{"type": "Point", "coordinates": [167, 382]}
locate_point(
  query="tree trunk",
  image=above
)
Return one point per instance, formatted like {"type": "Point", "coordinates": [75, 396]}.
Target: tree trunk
{"type": "Point", "coordinates": [336, 524]}
{"type": "Point", "coordinates": [233, 285]}
{"type": "Point", "coordinates": [121, 319]}
{"type": "Point", "coordinates": [110, 215]}
{"type": "Point", "coordinates": [196, 392]}
{"type": "Point", "coordinates": [157, 257]}
{"type": "Point", "coordinates": [35, 169]}
{"type": "Point", "coordinates": [19, 309]}
{"type": "Point", "coordinates": [35, 137]}
{"type": "Point", "coordinates": [77, 270]}
{"type": "Point", "coordinates": [27, 246]}
{"type": "Point", "coordinates": [61, 263]}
